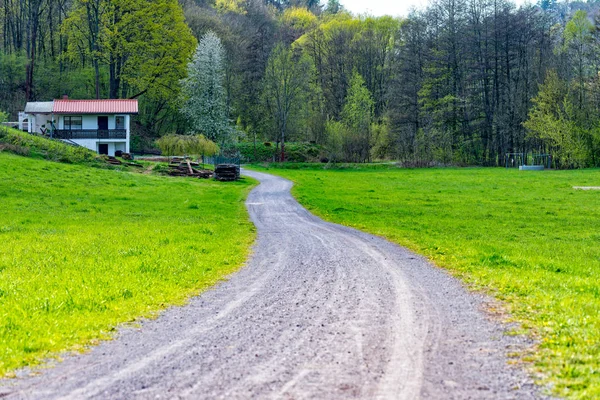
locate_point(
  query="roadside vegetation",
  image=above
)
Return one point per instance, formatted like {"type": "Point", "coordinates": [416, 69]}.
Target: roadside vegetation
{"type": "Point", "coordinates": [527, 238]}
{"type": "Point", "coordinates": [83, 250]}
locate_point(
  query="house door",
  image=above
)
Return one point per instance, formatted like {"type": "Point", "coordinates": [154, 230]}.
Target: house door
{"type": "Point", "coordinates": [102, 123]}
{"type": "Point", "coordinates": [103, 148]}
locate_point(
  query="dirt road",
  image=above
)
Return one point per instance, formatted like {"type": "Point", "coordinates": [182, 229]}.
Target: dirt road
{"type": "Point", "coordinates": [320, 312]}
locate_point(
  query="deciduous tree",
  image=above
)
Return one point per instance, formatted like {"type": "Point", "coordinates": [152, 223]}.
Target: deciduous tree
{"type": "Point", "coordinates": [285, 87]}
{"type": "Point", "coordinates": [203, 93]}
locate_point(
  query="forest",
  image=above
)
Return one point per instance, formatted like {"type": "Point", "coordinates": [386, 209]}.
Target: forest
{"type": "Point", "coordinates": [461, 82]}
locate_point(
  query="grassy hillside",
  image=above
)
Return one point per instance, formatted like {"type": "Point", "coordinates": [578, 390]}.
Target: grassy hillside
{"type": "Point", "coordinates": [84, 249]}
{"type": "Point", "coordinates": [527, 237]}
{"type": "Point", "coordinates": [34, 146]}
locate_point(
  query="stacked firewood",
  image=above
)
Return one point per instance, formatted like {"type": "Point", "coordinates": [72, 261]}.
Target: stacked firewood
{"type": "Point", "coordinates": [113, 161]}
{"type": "Point", "coordinates": [186, 168]}
{"type": "Point", "coordinates": [227, 172]}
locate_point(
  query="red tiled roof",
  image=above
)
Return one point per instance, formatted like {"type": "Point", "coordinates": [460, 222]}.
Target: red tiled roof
{"type": "Point", "coordinates": [95, 107]}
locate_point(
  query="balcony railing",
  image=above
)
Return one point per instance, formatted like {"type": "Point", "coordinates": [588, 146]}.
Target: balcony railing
{"type": "Point", "coordinates": [90, 134]}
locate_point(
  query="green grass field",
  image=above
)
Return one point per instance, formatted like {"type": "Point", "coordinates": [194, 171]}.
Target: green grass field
{"type": "Point", "coordinates": [528, 238]}
{"type": "Point", "coordinates": [83, 250]}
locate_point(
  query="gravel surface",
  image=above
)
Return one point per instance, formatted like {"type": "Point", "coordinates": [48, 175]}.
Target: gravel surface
{"type": "Point", "coordinates": [321, 311]}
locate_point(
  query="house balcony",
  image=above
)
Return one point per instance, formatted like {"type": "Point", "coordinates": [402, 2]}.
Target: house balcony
{"type": "Point", "coordinates": [90, 134]}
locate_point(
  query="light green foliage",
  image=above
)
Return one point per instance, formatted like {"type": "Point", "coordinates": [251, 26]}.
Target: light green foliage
{"type": "Point", "coordinates": [189, 145]}
{"type": "Point", "coordinates": [341, 46]}
{"type": "Point", "coordinates": [231, 6]}
{"type": "Point", "coordinates": [579, 29]}
{"type": "Point", "coordinates": [144, 45]}
{"type": "Point", "coordinates": [299, 19]}
{"type": "Point", "coordinates": [527, 238]}
{"type": "Point", "coordinates": [381, 144]}
{"type": "Point", "coordinates": [203, 93]}
{"type": "Point", "coordinates": [552, 119]}
{"type": "Point", "coordinates": [352, 141]}
{"type": "Point", "coordinates": [578, 38]}
{"type": "Point", "coordinates": [83, 250]}
{"type": "Point", "coordinates": [336, 132]}
{"type": "Point", "coordinates": [358, 110]}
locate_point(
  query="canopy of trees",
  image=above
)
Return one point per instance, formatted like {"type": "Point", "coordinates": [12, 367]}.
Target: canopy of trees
{"type": "Point", "coordinates": [461, 82]}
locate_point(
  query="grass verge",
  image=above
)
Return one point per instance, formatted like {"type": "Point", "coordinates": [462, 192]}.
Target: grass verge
{"type": "Point", "coordinates": [528, 238]}
{"type": "Point", "coordinates": [84, 249]}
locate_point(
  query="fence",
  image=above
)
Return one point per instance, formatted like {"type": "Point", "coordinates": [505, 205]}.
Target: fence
{"type": "Point", "coordinates": [216, 160]}
{"type": "Point", "coordinates": [516, 160]}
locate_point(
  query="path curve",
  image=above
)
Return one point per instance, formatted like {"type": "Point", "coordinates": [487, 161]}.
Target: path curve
{"type": "Point", "coordinates": [321, 311]}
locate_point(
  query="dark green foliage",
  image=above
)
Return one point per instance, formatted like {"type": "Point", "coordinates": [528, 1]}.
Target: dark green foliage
{"type": "Point", "coordinates": [295, 152]}
{"type": "Point", "coordinates": [303, 152]}
{"type": "Point", "coordinates": [250, 153]}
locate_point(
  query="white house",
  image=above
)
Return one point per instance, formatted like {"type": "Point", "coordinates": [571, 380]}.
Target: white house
{"type": "Point", "coordinates": [38, 116]}
{"type": "Point", "coordinates": [100, 125]}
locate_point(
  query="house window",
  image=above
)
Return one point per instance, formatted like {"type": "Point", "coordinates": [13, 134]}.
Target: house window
{"type": "Point", "coordinates": [120, 122]}
{"type": "Point", "coordinates": [73, 123]}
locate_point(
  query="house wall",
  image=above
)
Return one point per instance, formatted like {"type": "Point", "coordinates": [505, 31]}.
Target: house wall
{"type": "Point", "coordinates": [23, 126]}
{"type": "Point", "coordinates": [36, 121]}
{"type": "Point", "coordinates": [91, 122]}
{"type": "Point", "coordinates": [127, 126]}
{"type": "Point", "coordinates": [93, 144]}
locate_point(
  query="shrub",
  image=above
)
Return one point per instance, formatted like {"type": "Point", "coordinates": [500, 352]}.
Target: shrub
{"type": "Point", "coordinates": [191, 145]}
{"type": "Point", "coordinates": [265, 152]}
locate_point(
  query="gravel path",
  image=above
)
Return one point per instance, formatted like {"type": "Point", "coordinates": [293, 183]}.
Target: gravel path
{"type": "Point", "coordinates": [321, 311]}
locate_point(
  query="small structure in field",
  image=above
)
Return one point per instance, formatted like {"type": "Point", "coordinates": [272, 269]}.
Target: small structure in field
{"type": "Point", "coordinates": [528, 162]}
{"type": "Point", "coordinates": [99, 125]}
{"type": "Point", "coordinates": [226, 168]}
{"type": "Point", "coordinates": [586, 187]}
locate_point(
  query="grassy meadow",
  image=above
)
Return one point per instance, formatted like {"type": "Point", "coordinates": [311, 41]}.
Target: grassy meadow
{"type": "Point", "coordinates": [83, 250]}
{"type": "Point", "coordinates": [528, 238]}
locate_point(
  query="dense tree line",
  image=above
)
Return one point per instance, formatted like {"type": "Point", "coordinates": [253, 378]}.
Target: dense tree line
{"type": "Point", "coordinates": [460, 82]}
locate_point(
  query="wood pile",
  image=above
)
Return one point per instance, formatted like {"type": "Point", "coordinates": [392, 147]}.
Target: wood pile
{"type": "Point", "coordinates": [186, 169]}
{"type": "Point", "coordinates": [154, 159]}
{"type": "Point", "coordinates": [227, 172]}
{"type": "Point", "coordinates": [113, 161]}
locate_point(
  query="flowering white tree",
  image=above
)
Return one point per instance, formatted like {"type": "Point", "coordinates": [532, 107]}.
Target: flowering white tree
{"type": "Point", "coordinates": [204, 98]}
